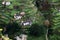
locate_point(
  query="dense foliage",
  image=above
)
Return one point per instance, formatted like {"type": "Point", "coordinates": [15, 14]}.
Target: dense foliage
{"type": "Point", "coordinates": [37, 30]}
{"type": "Point", "coordinates": [35, 10]}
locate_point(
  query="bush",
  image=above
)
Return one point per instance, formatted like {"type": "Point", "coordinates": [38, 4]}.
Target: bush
{"type": "Point", "coordinates": [13, 29]}
{"type": "Point", "coordinates": [36, 30]}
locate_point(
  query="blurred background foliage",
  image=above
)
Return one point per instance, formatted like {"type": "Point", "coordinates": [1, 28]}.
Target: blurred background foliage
{"type": "Point", "coordinates": [34, 13]}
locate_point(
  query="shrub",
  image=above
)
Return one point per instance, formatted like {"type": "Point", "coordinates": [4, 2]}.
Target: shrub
{"type": "Point", "coordinates": [36, 30]}
{"type": "Point", "coordinates": [13, 29]}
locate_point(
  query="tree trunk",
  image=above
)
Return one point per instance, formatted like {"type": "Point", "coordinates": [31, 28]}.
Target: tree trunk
{"type": "Point", "coordinates": [47, 34]}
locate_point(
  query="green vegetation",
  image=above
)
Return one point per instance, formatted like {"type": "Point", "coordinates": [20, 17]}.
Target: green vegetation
{"type": "Point", "coordinates": [44, 16]}
{"type": "Point", "coordinates": [37, 30]}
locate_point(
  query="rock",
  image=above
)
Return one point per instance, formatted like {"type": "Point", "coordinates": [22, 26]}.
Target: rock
{"type": "Point", "coordinates": [17, 17]}
{"type": "Point", "coordinates": [6, 3]}
{"type": "Point", "coordinates": [22, 13]}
